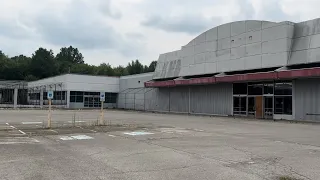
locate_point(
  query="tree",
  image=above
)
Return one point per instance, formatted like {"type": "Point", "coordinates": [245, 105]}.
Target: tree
{"type": "Point", "coordinates": [152, 66]}
{"type": "Point", "coordinates": [135, 67]}
{"type": "Point", "coordinates": [105, 69]}
{"type": "Point", "coordinates": [83, 69]}
{"type": "Point", "coordinates": [120, 71]}
{"type": "Point", "coordinates": [68, 57]}
{"type": "Point", "coordinates": [43, 64]}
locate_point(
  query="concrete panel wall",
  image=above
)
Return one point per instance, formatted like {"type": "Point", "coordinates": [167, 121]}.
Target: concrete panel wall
{"type": "Point", "coordinates": [307, 99]}
{"type": "Point", "coordinates": [234, 46]}
{"type": "Point", "coordinates": [306, 42]}
{"type": "Point", "coordinates": [76, 82]}
{"type": "Point", "coordinates": [134, 81]}
{"type": "Point", "coordinates": [248, 44]}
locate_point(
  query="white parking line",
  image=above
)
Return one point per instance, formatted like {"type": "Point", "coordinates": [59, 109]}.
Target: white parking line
{"type": "Point", "coordinates": [13, 127]}
{"type": "Point", "coordinates": [54, 131]}
{"type": "Point", "coordinates": [7, 124]}
{"type": "Point", "coordinates": [76, 121]}
{"type": "Point", "coordinates": [93, 130]}
{"type": "Point", "coordinates": [112, 135]}
{"type": "Point", "coordinates": [31, 123]}
{"type": "Point", "coordinates": [21, 132]}
{"type": "Point", "coordinates": [76, 137]}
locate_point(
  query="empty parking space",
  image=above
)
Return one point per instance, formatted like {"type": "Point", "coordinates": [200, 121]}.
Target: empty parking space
{"type": "Point", "coordinates": [158, 146]}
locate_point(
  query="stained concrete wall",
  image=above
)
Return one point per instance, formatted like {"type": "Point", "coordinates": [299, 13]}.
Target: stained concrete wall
{"type": "Point", "coordinates": [243, 45]}
{"type": "Point", "coordinates": [306, 42]}
{"type": "Point", "coordinates": [134, 81]}
{"type": "Point", "coordinates": [234, 46]}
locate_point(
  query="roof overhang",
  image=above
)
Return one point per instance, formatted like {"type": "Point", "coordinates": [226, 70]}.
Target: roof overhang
{"type": "Point", "coordinates": [259, 76]}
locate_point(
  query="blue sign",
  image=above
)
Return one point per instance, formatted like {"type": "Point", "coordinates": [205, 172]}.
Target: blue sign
{"type": "Point", "coordinates": [50, 95]}
{"type": "Point", "coordinates": [102, 96]}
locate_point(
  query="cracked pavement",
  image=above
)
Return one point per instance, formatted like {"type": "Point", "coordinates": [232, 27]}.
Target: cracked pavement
{"type": "Point", "coordinates": [175, 147]}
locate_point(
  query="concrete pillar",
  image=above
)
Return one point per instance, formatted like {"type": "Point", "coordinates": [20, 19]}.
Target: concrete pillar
{"type": "Point", "coordinates": [41, 98]}
{"type": "Point", "coordinates": [68, 99]}
{"type": "Point", "coordinates": [15, 98]}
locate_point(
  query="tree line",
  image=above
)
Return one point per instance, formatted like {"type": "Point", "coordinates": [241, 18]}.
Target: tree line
{"type": "Point", "coordinates": [43, 63]}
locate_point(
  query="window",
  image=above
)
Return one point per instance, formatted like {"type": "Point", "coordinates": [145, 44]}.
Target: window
{"type": "Point", "coordinates": [283, 105]}
{"type": "Point", "coordinates": [76, 96]}
{"type": "Point", "coordinates": [283, 88]}
{"type": "Point", "coordinates": [240, 88]}
{"type": "Point", "coordinates": [240, 105]}
{"type": "Point", "coordinates": [255, 89]}
{"type": "Point", "coordinates": [34, 96]}
{"type": "Point", "coordinates": [59, 95]}
{"type": "Point", "coordinates": [111, 98]}
{"type": "Point", "coordinates": [268, 89]}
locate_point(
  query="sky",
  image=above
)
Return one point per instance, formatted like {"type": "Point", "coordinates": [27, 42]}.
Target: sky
{"type": "Point", "coordinates": [118, 31]}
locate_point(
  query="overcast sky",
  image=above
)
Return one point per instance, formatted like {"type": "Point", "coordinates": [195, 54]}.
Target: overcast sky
{"type": "Point", "coordinates": [117, 31]}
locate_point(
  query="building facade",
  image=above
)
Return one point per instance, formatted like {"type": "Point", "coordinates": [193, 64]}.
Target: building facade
{"type": "Point", "coordinates": [75, 91]}
{"type": "Point", "coordinates": [248, 68]}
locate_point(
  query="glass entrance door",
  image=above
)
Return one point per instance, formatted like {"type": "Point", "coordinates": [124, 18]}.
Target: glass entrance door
{"type": "Point", "coordinates": [268, 107]}
{"type": "Point", "coordinates": [92, 101]}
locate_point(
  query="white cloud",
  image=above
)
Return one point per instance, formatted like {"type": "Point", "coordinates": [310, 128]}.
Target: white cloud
{"type": "Point", "coordinates": [118, 31]}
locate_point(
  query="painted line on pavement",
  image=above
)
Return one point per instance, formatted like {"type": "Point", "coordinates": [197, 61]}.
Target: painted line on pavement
{"type": "Point", "coordinates": [112, 135]}
{"type": "Point", "coordinates": [21, 132]}
{"type": "Point", "coordinates": [138, 133]}
{"type": "Point", "coordinates": [75, 137]}
{"type": "Point", "coordinates": [31, 123]}
{"type": "Point", "coordinates": [7, 124]}
{"type": "Point", "coordinates": [93, 130]}
{"type": "Point", "coordinates": [54, 131]}
{"type": "Point", "coordinates": [76, 121]}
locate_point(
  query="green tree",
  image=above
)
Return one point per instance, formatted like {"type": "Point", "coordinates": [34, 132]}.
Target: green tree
{"type": "Point", "coordinates": [120, 71]}
{"type": "Point", "coordinates": [105, 69]}
{"type": "Point", "coordinates": [67, 57]}
{"type": "Point", "coordinates": [43, 64]}
{"type": "Point", "coordinates": [152, 66]}
{"type": "Point", "coordinates": [135, 67]}
{"type": "Point", "coordinates": [83, 69]}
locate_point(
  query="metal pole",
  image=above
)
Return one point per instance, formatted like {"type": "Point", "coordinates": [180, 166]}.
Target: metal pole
{"type": "Point", "coordinates": [189, 102]}
{"type": "Point", "coordinates": [102, 114]}
{"type": "Point", "coordinates": [49, 115]}
{"type": "Point", "coordinates": [134, 101]}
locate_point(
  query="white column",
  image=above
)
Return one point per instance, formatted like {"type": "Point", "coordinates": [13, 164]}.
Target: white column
{"type": "Point", "coordinates": [68, 99]}
{"type": "Point", "coordinates": [41, 98]}
{"type": "Point", "coordinates": [15, 98]}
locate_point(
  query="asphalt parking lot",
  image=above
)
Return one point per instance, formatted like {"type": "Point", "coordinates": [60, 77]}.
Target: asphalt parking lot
{"type": "Point", "coordinates": [140, 146]}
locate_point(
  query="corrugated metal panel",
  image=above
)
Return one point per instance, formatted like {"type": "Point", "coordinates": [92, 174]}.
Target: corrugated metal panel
{"type": "Point", "coordinates": [157, 99]}
{"type": "Point", "coordinates": [307, 99]}
{"type": "Point", "coordinates": [179, 99]}
{"type": "Point", "coordinates": [211, 99]}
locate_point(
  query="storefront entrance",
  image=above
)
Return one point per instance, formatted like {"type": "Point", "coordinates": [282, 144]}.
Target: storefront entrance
{"type": "Point", "coordinates": [263, 99]}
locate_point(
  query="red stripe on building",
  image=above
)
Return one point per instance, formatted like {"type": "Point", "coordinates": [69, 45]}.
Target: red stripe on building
{"type": "Point", "coordinates": [289, 74]}
{"type": "Point", "coordinates": [299, 73]}
{"type": "Point", "coordinates": [247, 77]}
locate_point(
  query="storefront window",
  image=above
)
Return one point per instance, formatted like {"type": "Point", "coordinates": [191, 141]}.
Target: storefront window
{"type": "Point", "coordinates": [255, 89]}
{"type": "Point", "coordinates": [240, 105]}
{"type": "Point", "coordinates": [283, 88]}
{"type": "Point", "coordinates": [76, 96]}
{"type": "Point", "coordinates": [240, 88]}
{"type": "Point", "coordinates": [283, 105]}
